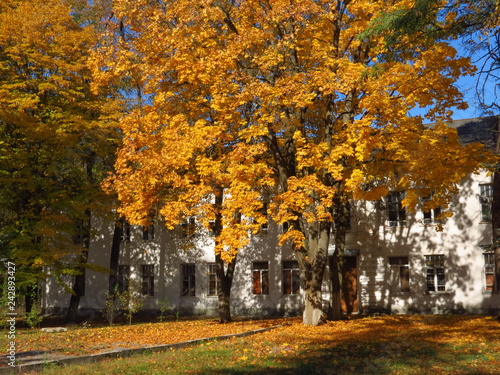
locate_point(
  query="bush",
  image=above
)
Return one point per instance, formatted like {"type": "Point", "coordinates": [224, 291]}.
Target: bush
{"type": "Point", "coordinates": [34, 317]}
{"type": "Point", "coordinates": [129, 302]}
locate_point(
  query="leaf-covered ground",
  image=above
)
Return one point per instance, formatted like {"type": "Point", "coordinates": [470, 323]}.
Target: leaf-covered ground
{"type": "Point", "coordinates": [91, 340]}
{"type": "Point", "coordinates": [409, 345]}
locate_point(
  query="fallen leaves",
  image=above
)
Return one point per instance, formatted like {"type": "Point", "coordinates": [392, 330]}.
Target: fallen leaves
{"type": "Point", "coordinates": [82, 341]}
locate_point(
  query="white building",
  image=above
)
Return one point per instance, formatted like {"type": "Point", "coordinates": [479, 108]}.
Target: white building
{"type": "Point", "coordinates": [395, 262]}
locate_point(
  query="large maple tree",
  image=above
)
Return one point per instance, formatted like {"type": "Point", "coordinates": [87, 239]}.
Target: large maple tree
{"type": "Point", "coordinates": [55, 145]}
{"type": "Point", "coordinates": [288, 102]}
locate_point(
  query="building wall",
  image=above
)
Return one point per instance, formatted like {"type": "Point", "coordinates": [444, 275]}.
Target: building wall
{"type": "Point", "coordinates": [371, 240]}
{"type": "Point", "coordinates": [460, 242]}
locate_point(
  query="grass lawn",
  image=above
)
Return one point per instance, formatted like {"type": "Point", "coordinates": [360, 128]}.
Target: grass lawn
{"type": "Point", "coordinates": [420, 344]}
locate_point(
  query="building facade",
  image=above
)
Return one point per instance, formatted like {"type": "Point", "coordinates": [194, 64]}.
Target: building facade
{"type": "Point", "coordinates": [395, 261]}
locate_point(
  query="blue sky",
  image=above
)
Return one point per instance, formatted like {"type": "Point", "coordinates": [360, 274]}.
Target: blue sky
{"type": "Point", "coordinates": [468, 86]}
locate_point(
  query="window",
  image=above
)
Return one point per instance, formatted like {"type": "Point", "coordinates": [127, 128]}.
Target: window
{"type": "Point", "coordinates": [123, 278]}
{"type": "Point", "coordinates": [396, 213]}
{"type": "Point", "coordinates": [400, 274]}
{"type": "Point", "coordinates": [148, 233]}
{"type": "Point", "coordinates": [291, 277]}
{"type": "Point", "coordinates": [188, 287]}
{"type": "Point", "coordinates": [189, 227]}
{"type": "Point", "coordinates": [431, 215]}
{"type": "Point", "coordinates": [212, 279]}
{"type": "Point", "coordinates": [489, 271]}
{"type": "Point", "coordinates": [263, 230]}
{"type": "Point", "coordinates": [260, 272]}
{"type": "Point", "coordinates": [435, 273]}
{"type": "Point", "coordinates": [148, 279]}
{"type": "Point", "coordinates": [485, 198]}
{"type": "Point", "coordinates": [126, 232]}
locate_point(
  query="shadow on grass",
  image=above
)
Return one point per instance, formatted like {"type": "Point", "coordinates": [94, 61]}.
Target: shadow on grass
{"type": "Point", "coordinates": [407, 347]}
{"type": "Point", "coordinates": [371, 362]}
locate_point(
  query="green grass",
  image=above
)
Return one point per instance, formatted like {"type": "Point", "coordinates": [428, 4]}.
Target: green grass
{"type": "Point", "coordinates": [381, 346]}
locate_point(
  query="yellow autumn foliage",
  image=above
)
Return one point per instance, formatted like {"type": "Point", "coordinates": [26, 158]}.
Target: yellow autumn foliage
{"type": "Point", "coordinates": [291, 102]}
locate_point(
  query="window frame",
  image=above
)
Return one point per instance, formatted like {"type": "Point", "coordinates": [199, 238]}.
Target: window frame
{"type": "Point", "coordinates": [148, 279]}
{"type": "Point", "coordinates": [430, 216]}
{"type": "Point", "coordinates": [212, 280]}
{"type": "Point", "coordinates": [489, 271]}
{"type": "Point", "coordinates": [396, 213]}
{"type": "Point", "coordinates": [290, 277]}
{"type": "Point", "coordinates": [485, 200]}
{"type": "Point", "coordinates": [263, 228]}
{"type": "Point", "coordinates": [188, 279]}
{"type": "Point", "coordinates": [148, 232]}
{"type": "Point", "coordinates": [400, 270]}
{"type": "Point", "coordinates": [260, 278]}
{"type": "Point", "coordinates": [435, 273]}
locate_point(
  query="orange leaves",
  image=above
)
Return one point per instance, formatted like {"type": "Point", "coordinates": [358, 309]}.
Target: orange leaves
{"type": "Point", "coordinates": [294, 100]}
{"type": "Point", "coordinates": [99, 339]}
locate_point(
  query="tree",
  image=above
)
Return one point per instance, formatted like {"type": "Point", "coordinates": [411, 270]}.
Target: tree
{"type": "Point", "coordinates": [55, 141]}
{"type": "Point", "coordinates": [291, 102]}
{"type": "Point", "coordinates": [476, 23]}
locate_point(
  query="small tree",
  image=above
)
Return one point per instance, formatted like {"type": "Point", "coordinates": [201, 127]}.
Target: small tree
{"type": "Point", "coordinates": [4, 304]}
{"type": "Point", "coordinates": [131, 301]}
{"type": "Point", "coordinates": [112, 308]}
{"type": "Point", "coordinates": [34, 317]}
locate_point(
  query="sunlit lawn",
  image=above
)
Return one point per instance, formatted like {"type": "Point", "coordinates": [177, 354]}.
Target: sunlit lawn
{"type": "Point", "coordinates": [419, 344]}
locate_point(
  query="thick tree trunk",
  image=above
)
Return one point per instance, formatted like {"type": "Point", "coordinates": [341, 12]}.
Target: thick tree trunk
{"type": "Point", "coordinates": [495, 214]}
{"type": "Point", "coordinates": [313, 302]}
{"type": "Point", "coordinates": [312, 263]}
{"type": "Point", "coordinates": [336, 262]}
{"type": "Point", "coordinates": [495, 225]}
{"type": "Point", "coordinates": [78, 292]}
{"type": "Point", "coordinates": [224, 273]}
{"type": "Point", "coordinates": [225, 281]}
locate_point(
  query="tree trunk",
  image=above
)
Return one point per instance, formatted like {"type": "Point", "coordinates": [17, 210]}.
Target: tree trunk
{"type": "Point", "coordinates": [224, 276]}
{"type": "Point", "coordinates": [336, 262]}
{"type": "Point", "coordinates": [225, 281]}
{"type": "Point", "coordinates": [495, 213]}
{"type": "Point", "coordinates": [495, 225]}
{"type": "Point", "coordinates": [78, 292]}
{"type": "Point", "coordinates": [79, 283]}
{"type": "Point", "coordinates": [313, 302]}
{"type": "Point", "coordinates": [115, 255]}
{"type": "Point", "coordinates": [31, 297]}
{"type": "Point", "coordinates": [312, 263]}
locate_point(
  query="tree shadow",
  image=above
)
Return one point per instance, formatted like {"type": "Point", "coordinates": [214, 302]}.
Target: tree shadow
{"type": "Point", "coordinates": [410, 343]}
